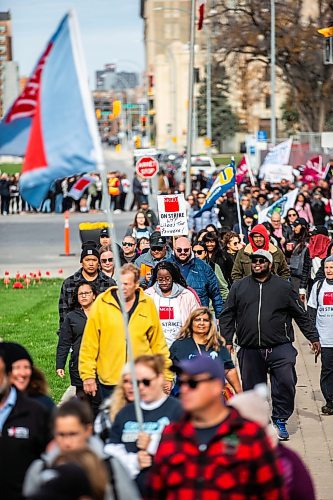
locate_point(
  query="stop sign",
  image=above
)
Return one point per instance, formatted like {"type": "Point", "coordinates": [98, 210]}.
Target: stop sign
{"type": "Point", "coordinates": [147, 167]}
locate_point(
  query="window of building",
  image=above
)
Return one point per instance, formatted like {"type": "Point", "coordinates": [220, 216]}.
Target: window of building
{"type": "Point", "coordinates": [267, 101]}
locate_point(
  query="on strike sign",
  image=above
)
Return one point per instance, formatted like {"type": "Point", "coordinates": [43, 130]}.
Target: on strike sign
{"type": "Point", "coordinates": [172, 215]}
{"type": "Point", "coordinates": [147, 167]}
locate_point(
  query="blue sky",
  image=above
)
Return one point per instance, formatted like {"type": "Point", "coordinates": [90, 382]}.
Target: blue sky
{"type": "Point", "coordinates": [111, 30]}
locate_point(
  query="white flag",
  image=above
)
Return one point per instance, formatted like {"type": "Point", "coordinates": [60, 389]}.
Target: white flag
{"type": "Point", "coordinates": [282, 206]}
{"type": "Point", "coordinates": [278, 155]}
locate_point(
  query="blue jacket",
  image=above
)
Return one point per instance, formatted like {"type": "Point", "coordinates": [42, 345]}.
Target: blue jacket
{"type": "Point", "coordinates": [202, 278]}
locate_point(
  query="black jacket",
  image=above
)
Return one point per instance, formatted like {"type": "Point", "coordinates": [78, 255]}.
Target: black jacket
{"type": "Point", "coordinates": [228, 214]}
{"type": "Point", "coordinates": [70, 336]}
{"type": "Point", "coordinates": [261, 314]}
{"type": "Point", "coordinates": [24, 437]}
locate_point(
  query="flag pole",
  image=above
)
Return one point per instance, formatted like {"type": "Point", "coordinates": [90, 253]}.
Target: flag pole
{"type": "Point", "coordinates": [190, 102]}
{"type": "Point", "coordinates": [238, 207]}
{"type": "Point", "coordinates": [91, 119]}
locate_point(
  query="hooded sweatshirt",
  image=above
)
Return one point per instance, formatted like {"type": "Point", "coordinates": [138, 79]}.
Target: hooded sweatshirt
{"type": "Point", "coordinates": [174, 309]}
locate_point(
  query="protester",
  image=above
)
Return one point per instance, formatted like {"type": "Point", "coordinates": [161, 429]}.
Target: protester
{"type": "Point", "coordinates": [248, 221]}
{"type": "Point", "coordinates": [128, 252]}
{"type": "Point", "coordinates": [72, 430]}
{"type": "Point", "coordinates": [199, 336]}
{"type": "Point", "coordinates": [227, 214]}
{"type": "Point", "coordinates": [104, 348]}
{"type": "Point", "coordinates": [320, 307]}
{"type": "Point", "coordinates": [315, 252]}
{"type": "Point", "coordinates": [295, 251]}
{"type": "Point", "coordinates": [143, 245]}
{"type": "Point", "coordinates": [150, 214]}
{"type": "Point", "coordinates": [280, 232]}
{"type": "Point", "coordinates": [70, 338]}
{"type": "Point", "coordinates": [198, 275]}
{"type": "Point", "coordinates": [135, 448]}
{"type": "Point", "coordinates": [199, 250]}
{"type": "Point", "coordinates": [259, 240]}
{"type": "Point", "coordinates": [303, 208]}
{"type": "Point", "coordinates": [320, 275]}
{"type": "Point", "coordinates": [173, 300]}
{"type": "Point", "coordinates": [27, 378]}
{"type": "Point", "coordinates": [158, 251]}
{"type": "Point", "coordinates": [212, 452]}
{"type": "Point", "coordinates": [122, 395]}
{"type": "Point", "coordinates": [259, 310]}
{"type": "Point", "coordinates": [24, 431]}
{"type": "Point", "coordinates": [137, 192]}
{"type": "Point", "coordinates": [196, 223]}
{"type": "Point", "coordinates": [89, 273]}
{"type": "Point", "coordinates": [231, 244]}
{"type": "Point", "coordinates": [140, 226]}
{"type": "Point", "coordinates": [318, 208]}
{"type": "Point", "coordinates": [104, 238]}
{"type": "Point", "coordinates": [106, 261]}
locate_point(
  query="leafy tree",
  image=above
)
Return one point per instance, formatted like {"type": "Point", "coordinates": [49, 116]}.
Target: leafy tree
{"type": "Point", "coordinates": [242, 35]}
{"type": "Point", "coordinates": [224, 121]}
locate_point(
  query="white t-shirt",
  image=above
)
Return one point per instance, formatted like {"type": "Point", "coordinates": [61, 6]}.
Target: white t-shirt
{"type": "Point", "coordinates": [170, 317]}
{"type": "Point", "coordinates": [324, 319]}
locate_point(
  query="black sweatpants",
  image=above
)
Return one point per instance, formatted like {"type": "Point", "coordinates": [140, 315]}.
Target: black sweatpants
{"type": "Point", "coordinates": [326, 374]}
{"type": "Point", "coordinates": [279, 363]}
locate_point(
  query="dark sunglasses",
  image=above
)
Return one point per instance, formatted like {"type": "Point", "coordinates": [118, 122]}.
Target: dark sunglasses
{"type": "Point", "coordinates": [259, 260]}
{"type": "Point", "coordinates": [183, 250]}
{"type": "Point", "coordinates": [110, 259]}
{"type": "Point", "coordinates": [156, 249]}
{"type": "Point", "coordinates": [199, 252]}
{"type": "Point", "coordinates": [192, 383]}
{"type": "Point", "coordinates": [145, 381]}
{"type": "Point", "coordinates": [292, 215]}
{"type": "Point", "coordinates": [126, 244]}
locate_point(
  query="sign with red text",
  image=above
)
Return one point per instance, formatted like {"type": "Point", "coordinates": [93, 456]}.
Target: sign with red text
{"type": "Point", "coordinates": [172, 215]}
{"type": "Point", "coordinates": [147, 167]}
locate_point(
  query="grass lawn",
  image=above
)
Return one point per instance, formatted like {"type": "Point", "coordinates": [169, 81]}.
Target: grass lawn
{"type": "Point", "coordinates": [11, 168]}
{"type": "Point", "coordinates": [30, 317]}
{"type": "Point", "coordinates": [224, 159]}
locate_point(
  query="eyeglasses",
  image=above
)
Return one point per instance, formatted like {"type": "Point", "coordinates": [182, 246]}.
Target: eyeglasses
{"type": "Point", "coordinates": [183, 250]}
{"type": "Point", "coordinates": [167, 279]}
{"type": "Point", "coordinates": [235, 243]}
{"type": "Point", "coordinates": [145, 381]}
{"type": "Point", "coordinates": [192, 383]}
{"type": "Point", "coordinates": [84, 294]}
{"type": "Point", "coordinates": [259, 260]}
{"type": "Point", "coordinates": [126, 244]}
{"type": "Point", "coordinates": [292, 215]}
{"type": "Point", "coordinates": [156, 249]}
{"type": "Point", "coordinates": [110, 259]}
{"type": "Point", "coordinates": [199, 252]}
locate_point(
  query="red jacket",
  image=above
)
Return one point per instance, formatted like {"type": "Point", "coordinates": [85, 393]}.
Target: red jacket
{"type": "Point", "coordinates": [238, 463]}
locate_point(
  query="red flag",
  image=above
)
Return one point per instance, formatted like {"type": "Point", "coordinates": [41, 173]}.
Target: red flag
{"type": "Point", "coordinates": [201, 13]}
{"type": "Point", "coordinates": [316, 162]}
{"type": "Point", "coordinates": [242, 170]}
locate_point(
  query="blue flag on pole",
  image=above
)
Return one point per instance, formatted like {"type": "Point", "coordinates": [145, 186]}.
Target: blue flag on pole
{"type": "Point", "coordinates": [225, 180]}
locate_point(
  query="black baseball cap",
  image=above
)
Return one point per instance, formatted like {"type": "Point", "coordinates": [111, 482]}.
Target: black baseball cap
{"type": "Point", "coordinates": [156, 240]}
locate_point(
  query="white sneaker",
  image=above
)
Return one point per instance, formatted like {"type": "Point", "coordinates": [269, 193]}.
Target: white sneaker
{"type": "Point", "coordinates": [117, 211]}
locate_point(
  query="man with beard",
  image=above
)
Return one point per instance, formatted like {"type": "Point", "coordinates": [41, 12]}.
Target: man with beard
{"type": "Point", "coordinates": [259, 311]}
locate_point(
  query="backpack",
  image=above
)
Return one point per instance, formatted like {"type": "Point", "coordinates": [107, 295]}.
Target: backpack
{"type": "Point", "coordinates": [296, 264]}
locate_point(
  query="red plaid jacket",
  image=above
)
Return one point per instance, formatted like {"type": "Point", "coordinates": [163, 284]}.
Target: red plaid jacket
{"type": "Point", "coordinates": [238, 463]}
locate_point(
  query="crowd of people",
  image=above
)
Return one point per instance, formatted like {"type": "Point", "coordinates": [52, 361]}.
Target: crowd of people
{"type": "Point", "coordinates": [210, 317]}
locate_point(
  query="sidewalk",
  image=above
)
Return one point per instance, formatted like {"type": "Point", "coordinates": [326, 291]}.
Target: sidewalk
{"type": "Point", "coordinates": [311, 433]}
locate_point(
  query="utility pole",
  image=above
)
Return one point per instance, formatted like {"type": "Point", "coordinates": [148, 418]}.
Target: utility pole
{"type": "Point", "coordinates": [209, 87]}
{"type": "Point", "coordinates": [190, 101]}
{"type": "Point", "coordinates": [273, 117]}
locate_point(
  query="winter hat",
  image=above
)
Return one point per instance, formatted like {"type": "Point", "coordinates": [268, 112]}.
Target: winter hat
{"type": "Point", "coordinates": [89, 248]}
{"type": "Point", "coordinates": [329, 259]}
{"type": "Point", "coordinates": [66, 481]}
{"type": "Point", "coordinates": [13, 352]}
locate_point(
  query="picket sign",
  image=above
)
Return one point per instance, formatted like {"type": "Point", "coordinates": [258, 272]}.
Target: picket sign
{"type": "Point", "coordinates": [172, 215]}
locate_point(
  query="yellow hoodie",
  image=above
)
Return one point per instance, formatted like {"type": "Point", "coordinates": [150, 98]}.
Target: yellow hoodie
{"type": "Point", "coordinates": [103, 348]}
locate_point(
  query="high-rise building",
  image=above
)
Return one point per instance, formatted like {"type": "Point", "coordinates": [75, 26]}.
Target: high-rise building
{"type": "Point", "coordinates": [111, 79]}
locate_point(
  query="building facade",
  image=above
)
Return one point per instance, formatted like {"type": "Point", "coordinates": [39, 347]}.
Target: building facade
{"type": "Point", "coordinates": [9, 82]}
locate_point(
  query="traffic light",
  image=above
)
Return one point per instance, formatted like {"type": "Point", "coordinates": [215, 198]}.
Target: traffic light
{"type": "Point", "coordinates": [98, 113]}
{"type": "Point", "coordinates": [116, 108]}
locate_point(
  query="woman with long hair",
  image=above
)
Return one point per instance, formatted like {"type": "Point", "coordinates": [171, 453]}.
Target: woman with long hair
{"type": "Point", "coordinates": [70, 338]}
{"type": "Point", "coordinates": [140, 227]}
{"type": "Point", "coordinates": [231, 243]}
{"type": "Point", "coordinates": [200, 251]}
{"type": "Point", "coordinates": [173, 300]}
{"type": "Point", "coordinates": [135, 448]}
{"type": "Point", "coordinates": [303, 208]}
{"type": "Point", "coordinates": [295, 251]}
{"type": "Point", "coordinates": [199, 337]}
{"type": "Point", "coordinates": [122, 395]}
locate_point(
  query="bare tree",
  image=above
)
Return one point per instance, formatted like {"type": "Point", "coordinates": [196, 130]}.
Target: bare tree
{"type": "Point", "coordinates": [242, 34]}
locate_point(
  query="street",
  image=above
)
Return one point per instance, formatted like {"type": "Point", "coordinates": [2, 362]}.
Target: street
{"type": "Point", "coordinates": [31, 242]}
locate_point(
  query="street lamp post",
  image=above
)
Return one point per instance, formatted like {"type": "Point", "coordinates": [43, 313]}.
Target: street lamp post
{"type": "Point", "coordinates": [190, 102]}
